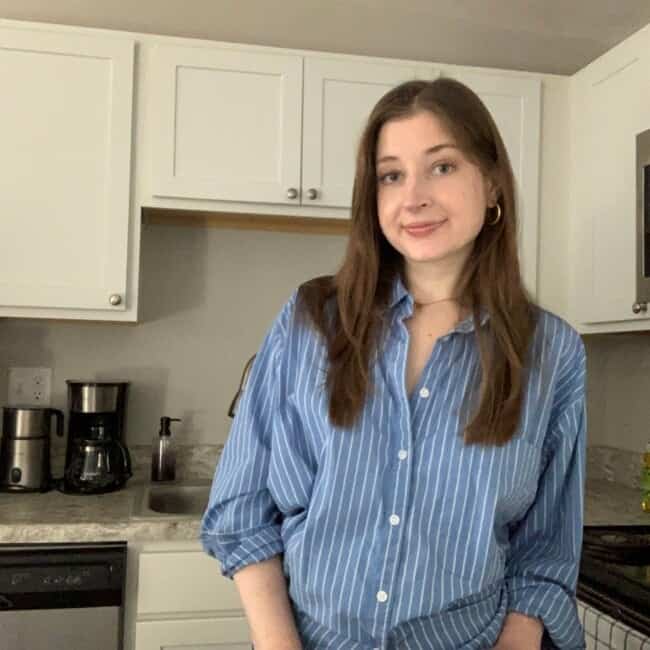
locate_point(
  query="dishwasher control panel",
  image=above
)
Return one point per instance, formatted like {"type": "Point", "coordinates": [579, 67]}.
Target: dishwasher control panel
{"type": "Point", "coordinates": [55, 578]}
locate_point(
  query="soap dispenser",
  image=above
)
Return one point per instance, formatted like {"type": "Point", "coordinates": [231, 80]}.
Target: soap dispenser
{"type": "Point", "coordinates": [163, 452]}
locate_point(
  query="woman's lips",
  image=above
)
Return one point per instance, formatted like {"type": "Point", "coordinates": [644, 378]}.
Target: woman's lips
{"type": "Point", "coordinates": [423, 229]}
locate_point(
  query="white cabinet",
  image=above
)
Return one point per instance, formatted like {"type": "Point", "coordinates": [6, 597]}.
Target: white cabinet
{"type": "Point", "coordinates": [514, 102]}
{"type": "Point", "coordinates": [235, 125]}
{"type": "Point", "coordinates": [338, 97]}
{"type": "Point", "coordinates": [610, 104]}
{"type": "Point", "coordinates": [220, 127]}
{"type": "Point", "coordinates": [183, 601]}
{"type": "Point", "coordinates": [193, 634]}
{"type": "Point", "coordinates": [65, 174]}
{"type": "Point", "coordinates": [226, 124]}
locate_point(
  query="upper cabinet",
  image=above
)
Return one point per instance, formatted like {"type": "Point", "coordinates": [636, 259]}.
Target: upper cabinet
{"type": "Point", "coordinates": [610, 102]}
{"type": "Point", "coordinates": [226, 124]}
{"type": "Point", "coordinates": [255, 127]}
{"type": "Point", "coordinates": [218, 127]}
{"type": "Point", "coordinates": [65, 128]}
{"type": "Point", "coordinates": [514, 102]}
{"type": "Point", "coordinates": [338, 97]}
{"type": "Point", "coordinates": [258, 132]}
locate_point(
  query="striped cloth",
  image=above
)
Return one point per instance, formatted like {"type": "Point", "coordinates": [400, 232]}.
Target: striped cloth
{"type": "Point", "coordinates": [394, 534]}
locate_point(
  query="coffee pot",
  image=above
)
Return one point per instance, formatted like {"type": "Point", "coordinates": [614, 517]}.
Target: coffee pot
{"type": "Point", "coordinates": [97, 465]}
{"type": "Point", "coordinates": [25, 448]}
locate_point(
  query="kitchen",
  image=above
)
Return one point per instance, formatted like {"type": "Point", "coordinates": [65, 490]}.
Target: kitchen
{"type": "Point", "coordinates": [199, 279]}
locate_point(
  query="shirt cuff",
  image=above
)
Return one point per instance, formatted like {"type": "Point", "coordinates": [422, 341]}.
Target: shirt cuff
{"type": "Point", "coordinates": [554, 605]}
{"type": "Point", "coordinates": [234, 553]}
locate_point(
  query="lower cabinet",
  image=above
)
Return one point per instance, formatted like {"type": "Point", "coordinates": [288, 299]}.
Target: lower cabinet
{"type": "Point", "coordinates": [193, 634]}
{"type": "Point", "coordinates": [179, 599]}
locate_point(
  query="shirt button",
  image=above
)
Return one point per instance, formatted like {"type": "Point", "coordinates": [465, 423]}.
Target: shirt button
{"type": "Point", "coordinates": [424, 392]}
{"type": "Point", "coordinates": [402, 454]}
{"type": "Point", "coordinates": [382, 596]}
{"type": "Point", "coordinates": [394, 520]}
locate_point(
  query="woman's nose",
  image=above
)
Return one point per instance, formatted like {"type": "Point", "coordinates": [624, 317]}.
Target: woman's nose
{"type": "Point", "coordinates": [416, 193]}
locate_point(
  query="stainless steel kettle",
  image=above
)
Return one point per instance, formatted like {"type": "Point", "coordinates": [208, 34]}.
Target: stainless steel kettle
{"type": "Point", "coordinates": [25, 448]}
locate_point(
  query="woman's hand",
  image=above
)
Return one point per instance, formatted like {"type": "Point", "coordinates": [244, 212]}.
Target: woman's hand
{"type": "Point", "coordinates": [520, 632]}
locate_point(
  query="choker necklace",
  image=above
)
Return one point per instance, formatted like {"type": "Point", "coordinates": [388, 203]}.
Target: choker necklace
{"type": "Point", "coordinates": [417, 303]}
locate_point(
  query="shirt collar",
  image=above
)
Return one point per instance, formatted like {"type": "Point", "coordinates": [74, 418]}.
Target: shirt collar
{"type": "Point", "coordinates": [399, 292]}
{"type": "Point", "coordinates": [400, 295]}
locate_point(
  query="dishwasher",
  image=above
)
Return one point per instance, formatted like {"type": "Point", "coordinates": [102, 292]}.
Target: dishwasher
{"type": "Point", "coordinates": [62, 596]}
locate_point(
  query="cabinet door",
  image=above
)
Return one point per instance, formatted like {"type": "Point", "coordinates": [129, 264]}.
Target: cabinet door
{"type": "Point", "coordinates": [180, 581]}
{"type": "Point", "coordinates": [226, 124]}
{"type": "Point", "coordinates": [338, 97]}
{"type": "Point", "coordinates": [65, 128]}
{"type": "Point", "coordinates": [193, 634]}
{"type": "Point", "coordinates": [514, 103]}
{"type": "Point", "coordinates": [610, 105]}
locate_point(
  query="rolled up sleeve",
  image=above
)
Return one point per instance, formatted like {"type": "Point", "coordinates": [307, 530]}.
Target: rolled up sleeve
{"type": "Point", "coordinates": [544, 555]}
{"type": "Point", "coordinates": [242, 523]}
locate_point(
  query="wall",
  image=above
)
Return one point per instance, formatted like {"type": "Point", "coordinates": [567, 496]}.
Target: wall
{"type": "Point", "coordinates": [208, 295]}
{"type": "Point", "coordinates": [618, 390]}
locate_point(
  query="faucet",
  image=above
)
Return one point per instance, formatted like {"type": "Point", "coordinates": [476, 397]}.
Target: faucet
{"type": "Point", "coordinates": [242, 386]}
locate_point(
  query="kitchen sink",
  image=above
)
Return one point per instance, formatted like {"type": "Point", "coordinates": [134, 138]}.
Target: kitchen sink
{"type": "Point", "coordinates": [173, 499]}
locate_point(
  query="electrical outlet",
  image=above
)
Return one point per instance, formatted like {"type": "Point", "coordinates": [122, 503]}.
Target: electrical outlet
{"type": "Point", "coordinates": [30, 386]}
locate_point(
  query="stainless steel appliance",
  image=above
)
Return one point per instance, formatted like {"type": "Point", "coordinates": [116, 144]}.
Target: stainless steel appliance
{"type": "Point", "coordinates": [97, 460]}
{"type": "Point", "coordinates": [25, 448]}
{"type": "Point", "coordinates": [642, 222]}
{"type": "Point", "coordinates": [615, 580]}
{"type": "Point", "coordinates": [56, 596]}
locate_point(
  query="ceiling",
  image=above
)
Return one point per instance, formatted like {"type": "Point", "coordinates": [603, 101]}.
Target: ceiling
{"type": "Point", "coordinates": [553, 36]}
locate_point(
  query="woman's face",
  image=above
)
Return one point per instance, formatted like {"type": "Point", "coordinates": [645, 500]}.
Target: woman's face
{"type": "Point", "coordinates": [431, 199]}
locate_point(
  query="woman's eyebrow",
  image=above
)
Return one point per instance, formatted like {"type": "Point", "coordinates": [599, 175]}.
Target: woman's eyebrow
{"type": "Point", "coordinates": [430, 150]}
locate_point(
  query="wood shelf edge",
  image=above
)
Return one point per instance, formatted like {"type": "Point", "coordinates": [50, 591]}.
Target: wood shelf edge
{"type": "Point", "coordinates": [245, 221]}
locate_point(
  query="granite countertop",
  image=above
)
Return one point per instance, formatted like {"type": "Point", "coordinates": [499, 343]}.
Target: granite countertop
{"type": "Point", "coordinates": [56, 517]}
{"type": "Point", "coordinates": [609, 503]}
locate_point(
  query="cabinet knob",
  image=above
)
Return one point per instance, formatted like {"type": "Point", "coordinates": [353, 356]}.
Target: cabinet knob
{"type": "Point", "coordinates": [292, 193]}
{"type": "Point", "coordinates": [115, 299]}
{"type": "Point", "coordinates": [639, 307]}
{"type": "Point", "coordinates": [312, 194]}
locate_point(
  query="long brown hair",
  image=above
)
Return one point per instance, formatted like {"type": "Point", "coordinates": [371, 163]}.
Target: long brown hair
{"type": "Point", "coordinates": [349, 308]}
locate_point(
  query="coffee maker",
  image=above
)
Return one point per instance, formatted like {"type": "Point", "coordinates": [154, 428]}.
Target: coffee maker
{"type": "Point", "coordinates": [25, 448]}
{"type": "Point", "coordinates": [96, 458]}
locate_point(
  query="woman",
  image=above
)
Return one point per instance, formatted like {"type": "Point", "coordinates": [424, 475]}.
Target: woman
{"type": "Point", "coordinates": [406, 467]}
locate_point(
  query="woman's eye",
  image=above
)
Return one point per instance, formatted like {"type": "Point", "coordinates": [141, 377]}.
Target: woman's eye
{"type": "Point", "coordinates": [388, 178]}
{"type": "Point", "coordinates": [443, 168]}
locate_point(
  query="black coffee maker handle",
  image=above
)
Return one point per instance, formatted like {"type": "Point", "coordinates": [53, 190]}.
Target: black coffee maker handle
{"type": "Point", "coordinates": [59, 421]}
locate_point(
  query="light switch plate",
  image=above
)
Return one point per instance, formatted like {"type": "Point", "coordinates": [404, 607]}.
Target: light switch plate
{"type": "Point", "coordinates": [30, 386]}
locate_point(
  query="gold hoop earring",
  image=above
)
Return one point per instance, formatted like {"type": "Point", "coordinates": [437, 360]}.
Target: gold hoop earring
{"type": "Point", "coordinates": [496, 219]}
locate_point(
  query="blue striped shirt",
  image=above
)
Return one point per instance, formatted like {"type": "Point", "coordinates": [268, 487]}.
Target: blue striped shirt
{"type": "Point", "coordinates": [393, 533]}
